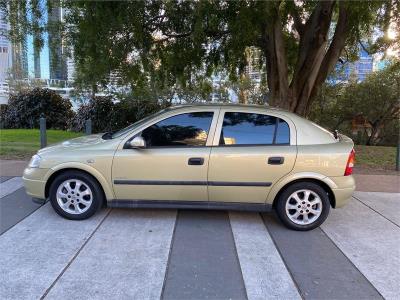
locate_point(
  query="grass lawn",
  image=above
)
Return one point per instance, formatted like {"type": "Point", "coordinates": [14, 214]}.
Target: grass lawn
{"type": "Point", "coordinates": [375, 157]}
{"type": "Point", "coordinates": [23, 143]}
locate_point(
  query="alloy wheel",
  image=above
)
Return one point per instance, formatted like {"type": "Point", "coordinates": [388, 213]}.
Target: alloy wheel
{"type": "Point", "coordinates": [303, 207]}
{"type": "Point", "coordinates": [74, 196]}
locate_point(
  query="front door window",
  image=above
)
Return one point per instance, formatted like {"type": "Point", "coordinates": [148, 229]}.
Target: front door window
{"type": "Point", "coordinates": [189, 129]}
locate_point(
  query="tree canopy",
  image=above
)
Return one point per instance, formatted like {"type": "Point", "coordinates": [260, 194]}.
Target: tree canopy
{"type": "Point", "coordinates": [165, 43]}
{"type": "Point", "coordinates": [375, 102]}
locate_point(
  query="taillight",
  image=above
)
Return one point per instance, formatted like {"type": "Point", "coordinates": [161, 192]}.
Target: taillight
{"type": "Point", "coordinates": [350, 163]}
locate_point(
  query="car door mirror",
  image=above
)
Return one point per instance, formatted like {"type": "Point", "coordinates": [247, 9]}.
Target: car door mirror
{"type": "Point", "coordinates": [137, 143]}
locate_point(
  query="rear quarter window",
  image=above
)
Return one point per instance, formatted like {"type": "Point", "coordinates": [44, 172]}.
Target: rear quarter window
{"type": "Point", "coordinates": [282, 132]}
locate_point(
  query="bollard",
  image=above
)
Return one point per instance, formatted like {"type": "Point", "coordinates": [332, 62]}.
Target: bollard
{"type": "Point", "coordinates": [43, 135]}
{"type": "Point", "coordinates": [359, 137]}
{"type": "Point", "coordinates": [398, 157]}
{"type": "Point", "coordinates": [88, 127]}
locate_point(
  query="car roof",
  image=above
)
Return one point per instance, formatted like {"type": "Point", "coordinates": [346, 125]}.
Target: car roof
{"type": "Point", "coordinates": [229, 105]}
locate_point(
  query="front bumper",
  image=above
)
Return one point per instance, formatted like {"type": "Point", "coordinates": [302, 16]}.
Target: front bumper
{"type": "Point", "coordinates": [34, 182]}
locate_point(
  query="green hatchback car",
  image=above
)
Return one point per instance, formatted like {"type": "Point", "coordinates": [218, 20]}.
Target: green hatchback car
{"type": "Point", "coordinates": [235, 157]}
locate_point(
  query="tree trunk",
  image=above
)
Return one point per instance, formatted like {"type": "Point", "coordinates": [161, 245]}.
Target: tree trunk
{"type": "Point", "coordinates": [243, 97]}
{"type": "Point", "coordinates": [314, 61]}
{"type": "Point", "coordinates": [277, 69]}
{"type": "Point", "coordinates": [312, 47]}
{"type": "Point", "coordinates": [243, 94]}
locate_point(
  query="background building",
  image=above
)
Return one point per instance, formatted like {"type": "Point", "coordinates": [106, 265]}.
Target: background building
{"type": "Point", "coordinates": [357, 70]}
{"type": "Point", "coordinates": [23, 64]}
{"type": "Point", "coordinates": [5, 59]}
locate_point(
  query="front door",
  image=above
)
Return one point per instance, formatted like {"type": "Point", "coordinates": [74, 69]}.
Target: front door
{"type": "Point", "coordinates": [252, 154]}
{"type": "Point", "coordinates": [173, 165]}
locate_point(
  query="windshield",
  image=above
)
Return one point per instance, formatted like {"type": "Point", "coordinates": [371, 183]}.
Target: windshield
{"type": "Point", "coordinates": [121, 132]}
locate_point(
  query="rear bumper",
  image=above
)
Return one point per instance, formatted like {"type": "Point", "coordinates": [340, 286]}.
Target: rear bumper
{"type": "Point", "coordinates": [34, 182]}
{"type": "Point", "coordinates": [345, 186]}
{"type": "Point", "coordinates": [342, 196]}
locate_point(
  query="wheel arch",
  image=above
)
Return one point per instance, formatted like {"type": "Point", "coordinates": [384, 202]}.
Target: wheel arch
{"type": "Point", "coordinates": [322, 181]}
{"type": "Point", "coordinates": [107, 191]}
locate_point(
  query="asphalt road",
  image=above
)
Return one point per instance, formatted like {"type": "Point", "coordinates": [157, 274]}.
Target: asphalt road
{"type": "Point", "coordinates": [170, 254]}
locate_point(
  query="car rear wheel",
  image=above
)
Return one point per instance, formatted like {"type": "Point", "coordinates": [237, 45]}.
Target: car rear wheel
{"type": "Point", "coordinates": [75, 195]}
{"type": "Point", "coordinates": [303, 206]}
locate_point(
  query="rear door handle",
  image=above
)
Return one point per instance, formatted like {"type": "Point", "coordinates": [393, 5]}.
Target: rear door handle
{"type": "Point", "coordinates": [195, 161]}
{"type": "Point", "coordinates": [276, 160]}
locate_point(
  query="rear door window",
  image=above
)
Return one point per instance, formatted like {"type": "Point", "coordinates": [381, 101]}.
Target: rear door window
{"type": "Point", "coordinates": [253, 129]}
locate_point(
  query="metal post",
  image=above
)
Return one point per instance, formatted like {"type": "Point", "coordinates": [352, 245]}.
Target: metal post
{"type": "Point", "coordinates": [88, 127]}
{"type": "Point", "coordinates": [43, 134]}
{"type": "Point", "coordinates": [359, 137]}
{"type": "Point", "coordinates": [398, 157]}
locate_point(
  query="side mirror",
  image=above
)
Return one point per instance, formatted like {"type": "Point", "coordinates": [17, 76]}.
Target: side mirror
{"type": "Point", "coordinates": [137, 143]}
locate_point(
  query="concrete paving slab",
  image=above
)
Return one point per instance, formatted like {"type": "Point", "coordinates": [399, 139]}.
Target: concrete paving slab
{"type": "Point", "coordinates": [5, 178]}
{"type": "Point", "coordinates": [12, 167]}
{"type": "Point", "coordinates": [371, 242]}
{"type": "Point", "coordinates": [319, 268]}
{"type": "Point", "coordinates": [264, 273]}
{"type": "Point", "coordinates": [10, 186]}
{"type": "Point", "coordinates": [36, 250]}
{"type": "Point", "coordinates": [14, 208]}
{"type": "Point", "coordinates": [377, 183]}
{"type": "Point", "coordinates": [125, 259]}
{"type": "Point", "coordinates": [203, 261]}
{"type": "Point", "coordinates": [387, 204]}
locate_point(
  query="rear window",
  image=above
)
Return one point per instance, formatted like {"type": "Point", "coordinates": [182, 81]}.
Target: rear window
{"type": "Point", "coordinates": [253, 129]}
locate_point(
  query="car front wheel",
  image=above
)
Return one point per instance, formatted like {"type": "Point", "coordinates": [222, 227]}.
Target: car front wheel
{"type": "Point", "coordinates": [75, 195]}
{"type": "Point", "coordinates": [303, 206]}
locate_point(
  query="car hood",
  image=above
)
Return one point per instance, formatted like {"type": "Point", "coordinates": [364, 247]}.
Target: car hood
{"type": "Point", "coordinates": [83, 141]}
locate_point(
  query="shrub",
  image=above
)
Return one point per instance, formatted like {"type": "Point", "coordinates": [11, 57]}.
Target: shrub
{"type": "Point", "coordinates": [25, 108]}
{"type": "Point", "coordinates": [100, 110]}
{"type": "Point", "coordinates": [108, 116]}
{"type": "Point", "coordinates": [374, 102]}
{"type": "Point", "coordinates": [3, 115]}
{"type": "Point", "coordinates": [129, 111]}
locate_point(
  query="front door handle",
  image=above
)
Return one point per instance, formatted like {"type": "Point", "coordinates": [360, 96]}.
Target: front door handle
{"type": "Point", "coordinates": [276, 160]}
{"type": "Point", "coordinates": [195, 161]}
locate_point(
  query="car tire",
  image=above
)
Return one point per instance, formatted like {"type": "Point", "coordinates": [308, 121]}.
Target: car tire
{"type": "Point", "coordinates": [75, 195]}
{"type": "Point", "coordinates": [303, 206]}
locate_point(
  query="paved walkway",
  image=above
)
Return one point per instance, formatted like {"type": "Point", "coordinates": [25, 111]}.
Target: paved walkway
{"type": "Point", "coordinates": [170, 254]}
{"type": "Point", "coordinates": [377, 183]}
{"type": "Point", "coordinates": [12, 167]}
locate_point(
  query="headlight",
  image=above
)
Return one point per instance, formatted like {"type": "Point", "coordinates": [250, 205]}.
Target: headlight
{"type": "Point", "coordinates": [35, 161]}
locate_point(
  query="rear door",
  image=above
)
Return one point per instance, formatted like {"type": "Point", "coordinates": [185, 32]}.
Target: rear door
{"type": "Point", "coordinates": [251, 152]}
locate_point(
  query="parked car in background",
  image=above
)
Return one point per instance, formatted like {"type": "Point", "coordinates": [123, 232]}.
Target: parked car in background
{"type": "Point", "coordinates": [235, 157]}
